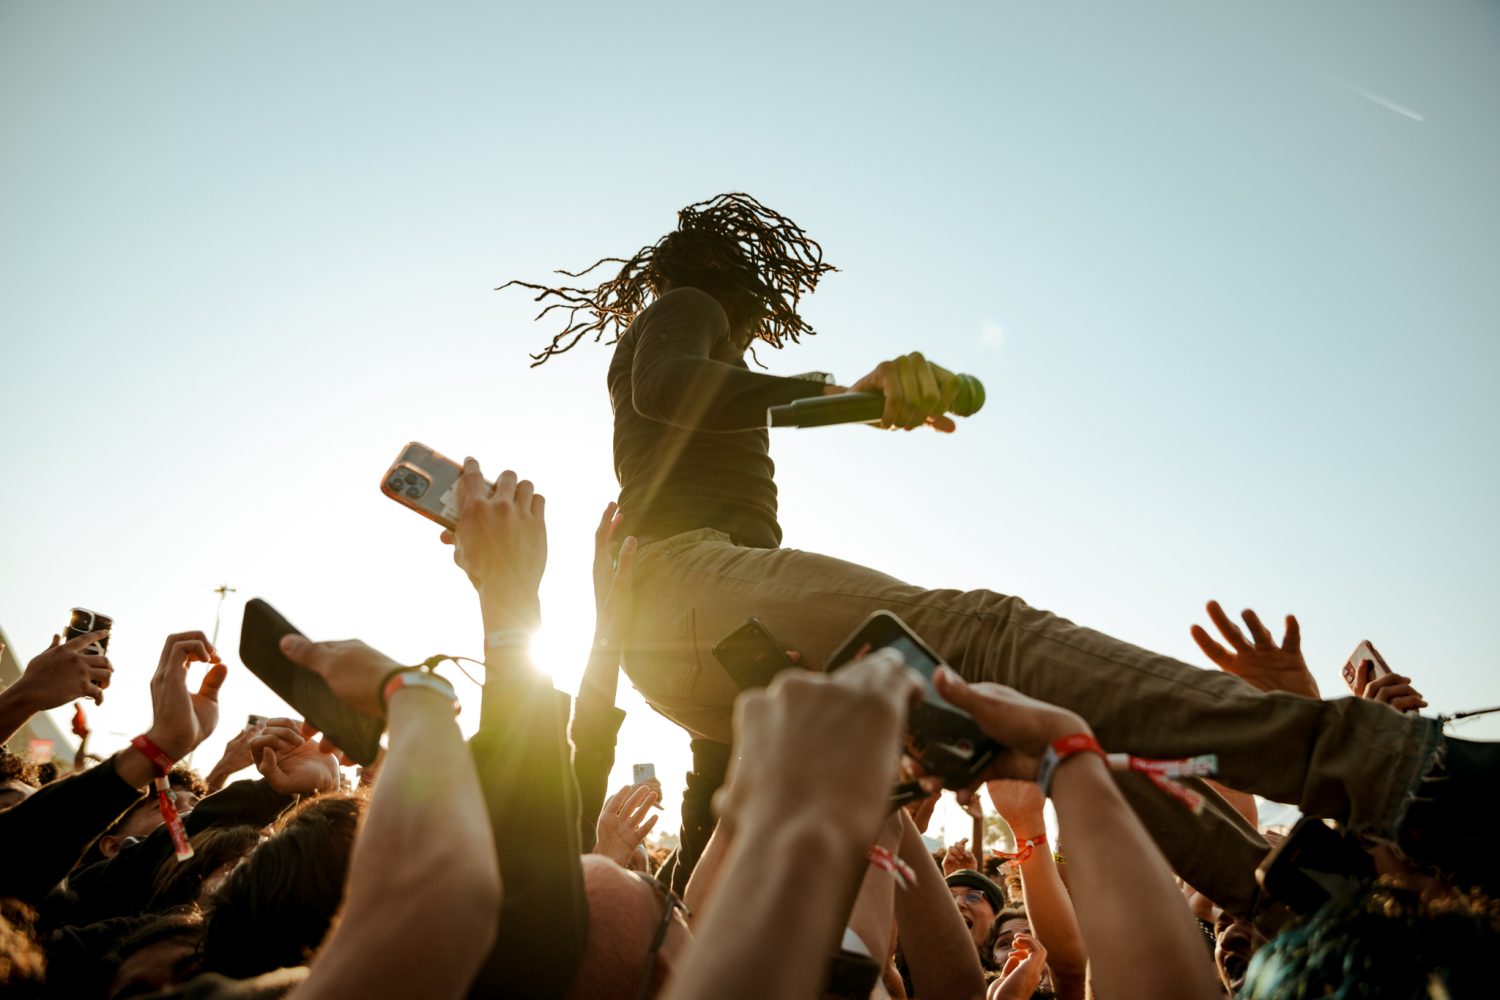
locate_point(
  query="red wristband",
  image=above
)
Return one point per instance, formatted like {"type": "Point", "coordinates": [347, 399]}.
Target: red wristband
{"type": "Point", "coordinates": [1024, 850]}
{"type": "Point", "coordinates": [1060, 750]}
{"type": "Point", "coordinates": [154, 754]}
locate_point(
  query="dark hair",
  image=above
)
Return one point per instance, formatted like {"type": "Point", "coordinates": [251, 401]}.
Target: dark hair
{"type": "Point", "coordinates": [275, 909]}
{"type": "Point", "coordinates": [178, 883]}
{"type": "Point", "coordinates": [1383, 940]}
{"type": "Point", "coordinates": [730, 246]}
{"type": "Point", "coordinates": [17, 768]}
{"type": "Point", "coordinates": [22, 961]}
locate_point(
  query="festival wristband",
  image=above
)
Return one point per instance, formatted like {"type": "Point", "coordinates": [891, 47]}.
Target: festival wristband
{"type": "Point", "coordinates": [158, 757]}
{"type": "Point", "coordinates": [181, 847]}
{"type": "Point", "coordinates": [1024, 850]}
{"type": "Point", "coordinates": [891, 865]}
{"type": "Point", "coordinates": [507, 637]}
{"type": "Point", "coordinates": [420, 679]}
{"type": "Point", "coordinates": [1060, 750]}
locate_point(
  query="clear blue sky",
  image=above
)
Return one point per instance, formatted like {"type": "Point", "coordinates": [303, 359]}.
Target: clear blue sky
{"type": "Point", "coordinates": [1228, 270]}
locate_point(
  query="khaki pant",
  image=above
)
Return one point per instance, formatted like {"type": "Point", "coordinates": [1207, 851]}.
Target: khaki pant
{"type": "Point", "coordinates": [1348, 759]}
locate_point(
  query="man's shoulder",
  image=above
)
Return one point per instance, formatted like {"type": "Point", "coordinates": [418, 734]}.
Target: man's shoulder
{"type": "Point", "coordinates": [682, 304]}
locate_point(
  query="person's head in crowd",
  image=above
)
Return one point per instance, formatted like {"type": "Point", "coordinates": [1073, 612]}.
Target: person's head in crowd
{"type": "Point", "coordinates": [162, 954]}
{"type": "Point", "coordinates": [1010, 921]}
{"type": "Point", "coordinates": [979, 901]}
{"type": "Point", "coordinates": [627, 913]}
{"type": "Point", "coordinates": [1235, 943]}
{"type": "Point", "coordinates": [22, 961]}
{"type": "Point", "coordinates": [1387, 939]}
{"type": "Point", "coordinates": [275, 908]}
{"type": "Point", "coordinates": [145, 815]}
{"type": "Point", "coordinates": [18, 779]}
{"type": "Point", "coordinates": [47, 772]}
{"type": "Point", "coordinates": [216, 852]}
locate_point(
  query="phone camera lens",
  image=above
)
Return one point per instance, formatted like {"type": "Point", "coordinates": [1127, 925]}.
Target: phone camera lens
{"type": "Point", "coordinates": [413, 492]}
{"type": "Point", "coordinates": [417, 488]}
{"type": "Point", "coordinates": [411, 479]}
{"type": "Point", "coordinates": [396, 483]}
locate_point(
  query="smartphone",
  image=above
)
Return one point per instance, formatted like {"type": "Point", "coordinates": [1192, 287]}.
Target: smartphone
{"type": "Point", "coordinates": [942, 737]}
{"type": "Point", "coordinates": [751, 655]}
{"type": "Point", "coordinates": [82, 621]}
{"type": "Point", "coordinates": [425, 481]}
{"type": "Point", "coordinates": [355, 733]}
{"type": "Point", "coordinates": [1364, 651]}
{"type": "Point", "coordinates": [1313, 865]}
{"type": "Point", "coordinates": [641, 773]}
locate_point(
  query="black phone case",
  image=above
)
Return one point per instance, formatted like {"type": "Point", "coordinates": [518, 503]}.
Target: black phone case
{"type": "Point", "coordinates": [355, 733]}
{"type": "Point", "coordinates": [945, 739]}
{"type": "Point", "coordinates": [751, 655]}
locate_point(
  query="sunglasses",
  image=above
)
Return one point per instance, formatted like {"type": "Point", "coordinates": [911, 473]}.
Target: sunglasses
{"type": "Point", "coordinates": [670, 904]}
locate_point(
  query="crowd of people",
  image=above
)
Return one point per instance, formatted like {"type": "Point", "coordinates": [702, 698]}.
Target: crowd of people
{"type": "Point", "coordinates": [502, 867]}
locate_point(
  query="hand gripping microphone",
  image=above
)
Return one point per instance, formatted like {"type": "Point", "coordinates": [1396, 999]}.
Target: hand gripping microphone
{"type": "Point", "coordinates": [863, 407]}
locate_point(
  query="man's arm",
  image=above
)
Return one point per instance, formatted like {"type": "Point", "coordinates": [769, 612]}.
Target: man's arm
{"type": "Point", "coordinates": [425, 841]}
{"type": "Point", "coordinates": [675, 379]}
{"type": "Point", "coordinates": [54, 677]}
{"type": "Point", "coordinates": [937, 946]}
{"type": "Point", "coordinates": [797, 835]}
{"type": "Point", "coordinates": [1127, 904]}
{"type": "Point", "coordinates": [1053, 920]}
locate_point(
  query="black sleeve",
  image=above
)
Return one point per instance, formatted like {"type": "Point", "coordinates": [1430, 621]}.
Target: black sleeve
{"type": "Point", "coordinates": [56, 825]}
{"type": "Point", "coordinates": [674, 378]}
{"type": "Point", "coordinates": [521, 754]}
{"type": "Point", "coordinates": [122, 884]}
{"type": "Point", "coordinates": [594, 730]}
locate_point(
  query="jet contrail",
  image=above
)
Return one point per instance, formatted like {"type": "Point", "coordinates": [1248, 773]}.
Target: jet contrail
{"type": "Point", "coordinates": [1375, 98]}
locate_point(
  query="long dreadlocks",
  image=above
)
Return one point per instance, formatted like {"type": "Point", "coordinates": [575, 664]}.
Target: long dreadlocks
{"type": "Point", "coordinates": [730, 244]}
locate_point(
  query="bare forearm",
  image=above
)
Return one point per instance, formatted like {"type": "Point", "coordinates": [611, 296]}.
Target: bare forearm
{"type": "Point", "coordinates": [429, 814]}
{"type": "Point", "coordinates": [938, 949]}
{"type": "Point", "coordinates": [791, 882]}
{"type": "Point", "coordinates": [15, 711]}
{"type": "Point", "coordinates": [601, 678]}
{"type": "Point", "coordinates": [1055, 924]}
{"type": "Point", "coordinates": [1118, 875]}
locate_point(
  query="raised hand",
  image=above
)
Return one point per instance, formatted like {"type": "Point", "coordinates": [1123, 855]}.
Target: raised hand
{"type": "Point", "coordinates": [829, 743]}
{"type": "Point", "coordinates": [62, 672]}
{"type": "Point", "coordinates": [352, 669]}
{"type": "Point", "coordinates": [238, 755]}
{"type": "Point", "coordinates": [1023, 970]}
{"type": "Point", "coordinates": [182, 719]}
{"type": "Point", "coordinates": [501, 542]}
{"type": "Point", "coordinates": [1024, 725]}
{"type": "Point", "coordinates": [916, 391]}
{"type": "Point", "coordinates": [614, 599]}
{"type": "Point", "coordinates": [624, 822]}
{"type": "Point", "coordinates": [958, 857]}
{"type": "Point", "coordinates": [1258, 659]}
{"type": "Point", "coordinates": [292, 762]}
{"type": "Point", "coordinates": [1394, 690]}
{"type": "Point", "coordinates": [1020, 804]}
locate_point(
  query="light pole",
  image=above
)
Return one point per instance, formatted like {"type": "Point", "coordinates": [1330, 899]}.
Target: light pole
{"type": "Point", "coordinates": [223, 590]}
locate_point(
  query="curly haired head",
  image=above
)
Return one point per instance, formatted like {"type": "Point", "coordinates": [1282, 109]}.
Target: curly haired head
{"type": "Point", "coordinates": [755, 260]}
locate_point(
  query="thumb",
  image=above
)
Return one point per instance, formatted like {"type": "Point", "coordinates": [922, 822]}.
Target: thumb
{"type": "Point", "coordinates": [270, 766]}
{"type": "Point", "coordinates": [957, 692]}
{"type": "Point", "coordinates": [213, 680]}
{"type": "Point", "coordinates": [298, 649]}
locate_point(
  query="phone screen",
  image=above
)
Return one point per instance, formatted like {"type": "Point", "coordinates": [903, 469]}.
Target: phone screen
{"type": "Point", "coordinates": [918, 659]}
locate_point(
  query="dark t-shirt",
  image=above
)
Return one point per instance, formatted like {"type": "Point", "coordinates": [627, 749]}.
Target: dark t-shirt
{"type": "Point", "coordinates": [691, 446]}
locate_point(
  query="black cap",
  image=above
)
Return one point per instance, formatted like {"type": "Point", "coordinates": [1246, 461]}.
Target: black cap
{"type": "Point", "coordinates": [971, 879]}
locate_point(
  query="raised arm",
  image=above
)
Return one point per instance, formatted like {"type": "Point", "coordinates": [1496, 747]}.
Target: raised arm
{"type": "Point", "coordinates": [937, 946]}
{"type": "Point", "coordinates": [797, 834]}
{"type": "Point", "coordinates": [680, 376]}
{"type": "Point", "coordinates": [1048, 906]}
{"type": "Point", "coordinates": [1116, 872]}
{"type": "Point", "coordinates": [54, 677]}
{"type": "Point", "coordinates": [425, 841]}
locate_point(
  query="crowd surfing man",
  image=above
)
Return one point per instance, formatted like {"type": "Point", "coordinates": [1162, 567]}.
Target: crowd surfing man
{"type": "Point", "coordinates": [691, 453]}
